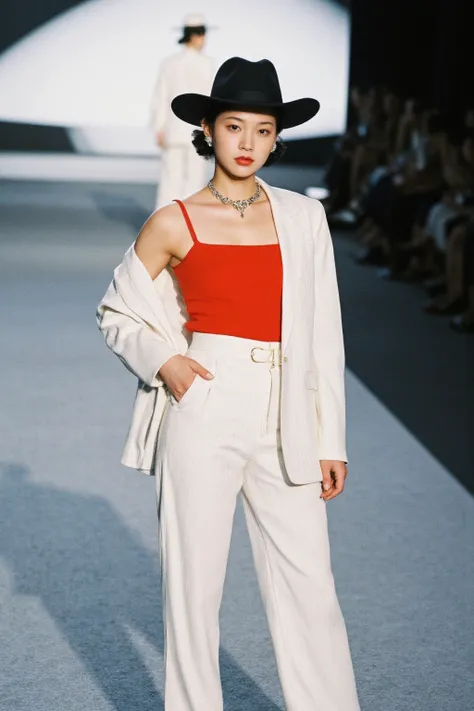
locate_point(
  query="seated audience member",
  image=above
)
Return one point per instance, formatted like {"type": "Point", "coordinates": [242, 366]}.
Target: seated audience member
{"type": "Point", "coordinates": [338, 174]}
{"type": "Point", "coordinates": [380, 137]}
{"type": "Point", "coordinates": [409, 184]}
{"type": "Point", "coordinates": [358, 111]}
{"type": "Point", "coordinates": [428, 242]}
{"type": "Point", "coordinates": [464, 322]}
{"type": "Point", "coordinates": [410, 127]}
{"type": "Point", "coordinates": [448, 222]}
{"type": "Point", "coordinates": [372, 129]}
{"type": "Point", "coordinates": [392, 113]}
{"type": "Point", "coordinates": [454, 301]}
{"type": "Point", "coordinates": [412, 185]}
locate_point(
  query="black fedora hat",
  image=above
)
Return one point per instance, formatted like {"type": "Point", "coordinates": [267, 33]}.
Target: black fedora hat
{"type": "Point", "coordinates": [239, 82]}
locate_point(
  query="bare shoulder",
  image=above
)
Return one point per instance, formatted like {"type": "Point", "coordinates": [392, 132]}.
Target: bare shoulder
{"type": "Point", "coordinates": [156, 241]}
{"type": "Point", "coordinates": [161, 225]}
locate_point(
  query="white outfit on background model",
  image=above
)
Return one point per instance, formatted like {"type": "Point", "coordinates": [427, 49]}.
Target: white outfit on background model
{"type": "Point", "coordinates": [257, 430]}
{"type": "Point", "coordinates": [182, 171]}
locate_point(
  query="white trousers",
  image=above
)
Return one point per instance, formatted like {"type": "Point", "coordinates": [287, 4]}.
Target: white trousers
{"type": "Point", "coordinates": [182, 173]}
{"type": "Point", "coordinates": [220, 440]}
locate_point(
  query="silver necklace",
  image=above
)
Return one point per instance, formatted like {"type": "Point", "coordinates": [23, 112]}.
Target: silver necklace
{"type": "Point", "coordinates": [240, 205]}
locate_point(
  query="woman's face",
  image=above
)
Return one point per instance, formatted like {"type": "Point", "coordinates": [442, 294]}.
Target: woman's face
{"type": "Point", "coordinates": [242, 141]}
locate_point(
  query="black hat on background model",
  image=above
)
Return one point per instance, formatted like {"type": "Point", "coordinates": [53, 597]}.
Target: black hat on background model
{"type": "Point", "coordinates": [239, 82]}
{"type": "Point", "coordinates": [193, 25]}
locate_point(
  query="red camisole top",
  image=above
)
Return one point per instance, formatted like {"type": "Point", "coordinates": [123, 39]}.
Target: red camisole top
{"type": "Point", "coordinates": [235, 290]}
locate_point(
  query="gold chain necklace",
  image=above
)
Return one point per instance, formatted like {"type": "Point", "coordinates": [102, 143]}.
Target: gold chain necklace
{"type": "Point", "coordinates": [240, 205]}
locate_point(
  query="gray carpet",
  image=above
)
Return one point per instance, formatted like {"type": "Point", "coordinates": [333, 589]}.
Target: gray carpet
{"type": "Point", "coordinates": [419, 368]}
{"type": "Point", "coordinates": [79, 590]}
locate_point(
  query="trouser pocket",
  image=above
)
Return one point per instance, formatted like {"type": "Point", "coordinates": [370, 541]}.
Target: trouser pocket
{"type": "Point", "coordinates": [196, 395]}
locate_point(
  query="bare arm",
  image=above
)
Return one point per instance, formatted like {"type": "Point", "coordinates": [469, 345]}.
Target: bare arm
{"type": "Point", "coordinates": [142, 349]}
{"type": "Point", "coordinates": [156, 242]}
{"type": "Point", "coordinates": [155, 245]}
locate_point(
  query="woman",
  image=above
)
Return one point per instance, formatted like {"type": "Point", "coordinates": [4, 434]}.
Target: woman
{"type": "Point", "coordinates": [254, 405]}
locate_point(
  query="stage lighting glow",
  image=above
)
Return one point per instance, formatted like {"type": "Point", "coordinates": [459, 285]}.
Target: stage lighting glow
{"type": "Point", "coordinates": [93, 69]}
{"type": "Point", "coordinates": [317, 193]}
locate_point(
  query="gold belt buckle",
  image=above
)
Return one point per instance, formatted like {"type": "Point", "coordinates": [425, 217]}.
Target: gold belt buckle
{"type": "Point", "coordinates": [259, 348]}
{"type": "Point", "coordinates": [252, 354]}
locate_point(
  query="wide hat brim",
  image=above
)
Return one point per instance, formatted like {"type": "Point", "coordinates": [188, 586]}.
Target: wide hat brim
{"type": "Point", "coordinates": [192, 108]}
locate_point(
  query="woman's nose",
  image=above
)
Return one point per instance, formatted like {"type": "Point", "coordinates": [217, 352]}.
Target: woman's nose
{"type": "Point", "coordinates": [246, 143]}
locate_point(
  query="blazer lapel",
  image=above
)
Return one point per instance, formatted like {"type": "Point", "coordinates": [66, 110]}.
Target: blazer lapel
{"type": "Point", "coordinates": [287, 224]}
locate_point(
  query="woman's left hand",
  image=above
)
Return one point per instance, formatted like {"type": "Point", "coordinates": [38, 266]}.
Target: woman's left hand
{"type": "Point", "coordinates": [334, 477]}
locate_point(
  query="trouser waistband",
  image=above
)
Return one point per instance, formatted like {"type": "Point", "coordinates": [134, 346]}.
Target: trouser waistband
{"type": "Point", "coordinates": [236, 347]}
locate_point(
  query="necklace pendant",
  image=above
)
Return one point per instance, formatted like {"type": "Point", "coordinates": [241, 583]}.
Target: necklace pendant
{"type": "Point", "coordinates": [240, 205]}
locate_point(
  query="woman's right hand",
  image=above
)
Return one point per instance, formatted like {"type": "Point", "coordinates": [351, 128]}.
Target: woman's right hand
{"type": "Point", "coordinates": [178, 374]}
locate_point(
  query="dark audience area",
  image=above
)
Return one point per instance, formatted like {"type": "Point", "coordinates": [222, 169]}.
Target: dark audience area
{"type": "Point", "coordinates": [402, 178]}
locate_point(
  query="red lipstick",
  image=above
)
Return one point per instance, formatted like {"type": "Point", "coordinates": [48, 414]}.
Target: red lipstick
{"type": "Point", "coordinates": [243, 160]}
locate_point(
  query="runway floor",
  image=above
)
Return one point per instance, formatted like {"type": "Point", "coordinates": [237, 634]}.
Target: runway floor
{"type": "Point", "coordinates": [79, 589]}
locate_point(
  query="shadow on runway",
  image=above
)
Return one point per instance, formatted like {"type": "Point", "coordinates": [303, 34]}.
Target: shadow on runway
{"type": "Point", "coordinates": [72, 552]}
{"type": "Point", "coordinates": [121, 208]}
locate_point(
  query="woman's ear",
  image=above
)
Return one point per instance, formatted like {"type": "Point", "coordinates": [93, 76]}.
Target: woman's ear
{"type": "Point", "coordinates": [207, 133]}
{"type": "Point", "coordinates": [205, 129]}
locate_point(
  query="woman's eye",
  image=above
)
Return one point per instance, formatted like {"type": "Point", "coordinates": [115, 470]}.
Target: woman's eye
{"type": "Point", "coordinates": [232, 126]}
{"type": "Point", "coordinates": [264, 131]}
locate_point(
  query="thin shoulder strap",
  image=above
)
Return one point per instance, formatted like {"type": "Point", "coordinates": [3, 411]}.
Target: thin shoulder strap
{"type": "Point", "coordinates": [188, 221]}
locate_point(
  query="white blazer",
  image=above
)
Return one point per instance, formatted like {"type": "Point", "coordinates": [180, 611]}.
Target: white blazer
{"type": "Point", "coordinates": [143, 323]}
{"type": "Point", "coordinates": [186, 71]}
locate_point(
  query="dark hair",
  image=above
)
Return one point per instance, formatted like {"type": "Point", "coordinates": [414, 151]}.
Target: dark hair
{"type": "Point", "coordinates": [207, 152]}
{"type": "Point", "coordinates": [189, 32]}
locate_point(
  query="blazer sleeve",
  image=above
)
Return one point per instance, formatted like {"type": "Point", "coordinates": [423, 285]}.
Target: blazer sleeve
{"type": "Point", "coordinates": [141, 349]}
{"type": "Point", "coordinates": [328, 346]}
